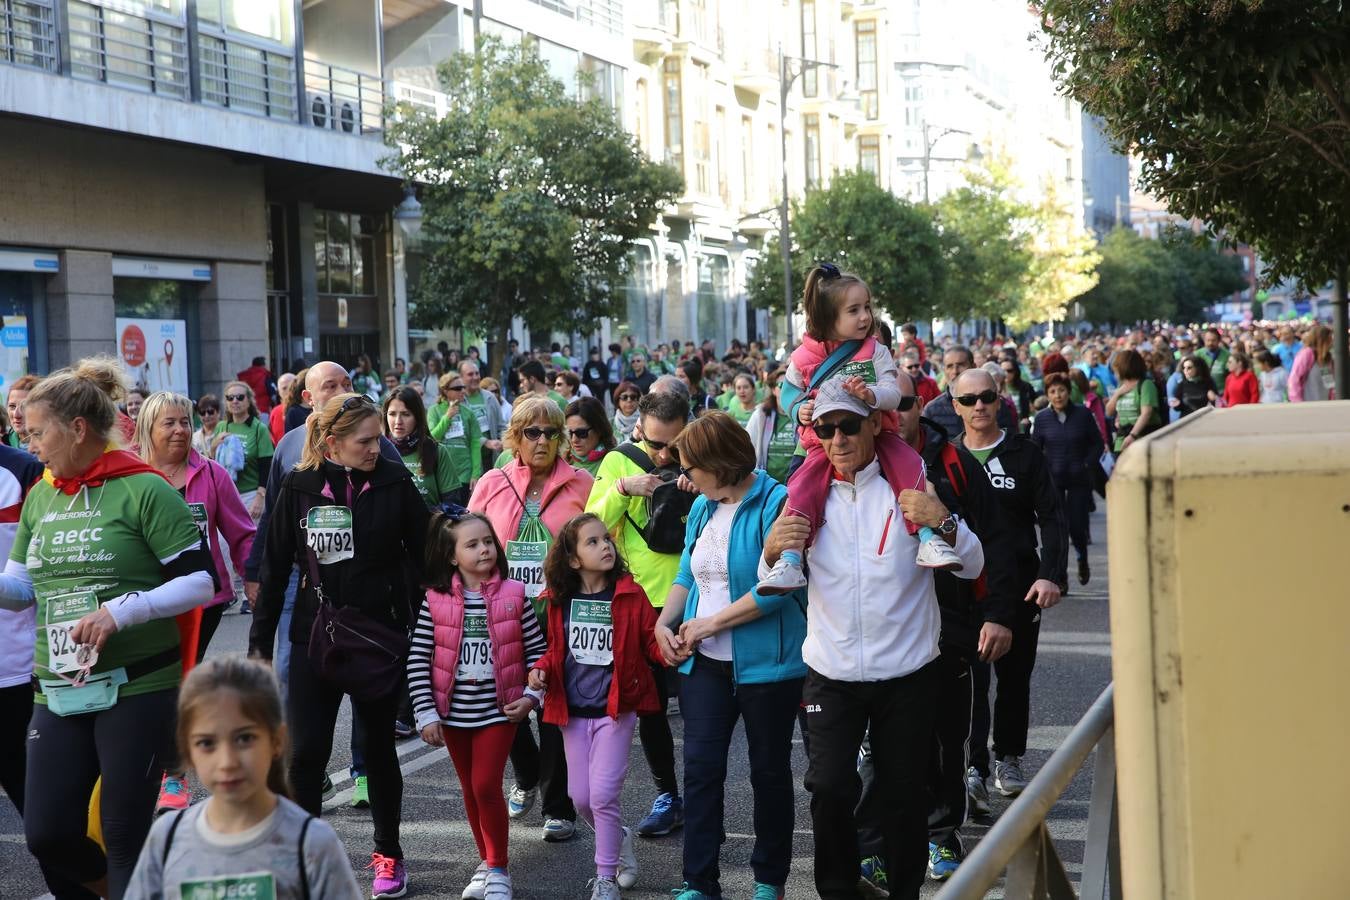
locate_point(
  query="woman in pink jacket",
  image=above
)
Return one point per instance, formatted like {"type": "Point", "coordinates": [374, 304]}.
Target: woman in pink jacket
{"type": "Point", "coordinates": [164, 440]}
{"type": "Point", "coordinates": [528, 501]}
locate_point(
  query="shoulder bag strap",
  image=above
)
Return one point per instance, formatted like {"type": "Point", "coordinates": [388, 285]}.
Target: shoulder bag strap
{"type": "Point", "coordinates": [168, 839]}
{"type": "Point", "coordinates": [638, 457]}
{"type": "Point", "coordinates": [842, 354]}
{"type": "Point", "coordinates": [300, 851]}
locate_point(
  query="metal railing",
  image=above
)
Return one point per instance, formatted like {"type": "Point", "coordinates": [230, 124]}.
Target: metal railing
{"type": "Point", "coordinates": [246, 77]}
{"type": "Point", "coordinates": [1020, 842]}
{"type": "Point", "coordinates": [28, 33]}
{"type": "Point", "coordinates": [342, 99]}
{"type": "Point", "coordinates": [144, 51]}
{"type": "Point", "coordinates": [428, 100]}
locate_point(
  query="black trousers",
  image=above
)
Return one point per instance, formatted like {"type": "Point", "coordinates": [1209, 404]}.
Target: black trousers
{"type": "Point", "coordinates": [128, 745]}
{"type": "Point", "coordinates": [899, 714]}
{"type": "Point", "coordinates": [312, 709]}
{"type": "Point", "coordinates": [1012, 704]}
{"type": "Point", "coordinates": [947, 760]}
{"type": "Point", "coordinates": [543, 766]}
{"type": "Point", "coordinates": [658, 743]}
{"type": "Point", "coordinates": [1078, 510]}
{"type": "Point", "coordinates": [207, 630]}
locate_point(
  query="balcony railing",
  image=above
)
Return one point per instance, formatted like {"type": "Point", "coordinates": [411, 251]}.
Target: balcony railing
{"type": "Point", "coordinates": [147, 52]}
{"type": "Point", "coordinates": [246, 77]}
{"type": "Point", "coordinates": [342, 99]}
{"type": "Point", "coordinates": [28, 33]}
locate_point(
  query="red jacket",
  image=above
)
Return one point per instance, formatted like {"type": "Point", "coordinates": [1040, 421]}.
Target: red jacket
{"type": "Point", "coordinates": [260, 380]}
{"type": "Point", "coordinates": [632, 688]}
{"type": "Point", "coordinates": [927, 389]}
{"type": "Point", "coordinates": [1243, 388]}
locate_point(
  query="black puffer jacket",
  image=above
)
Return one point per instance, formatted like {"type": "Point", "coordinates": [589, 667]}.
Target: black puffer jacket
{"type": "Point", "coordinates": [389, 523]}
{"type": "Point", "coordinates": [1072, 448]}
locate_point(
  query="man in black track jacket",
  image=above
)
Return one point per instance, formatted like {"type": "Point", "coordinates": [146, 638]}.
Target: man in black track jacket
{"type": "Point", "coordinates": [1020, 476]}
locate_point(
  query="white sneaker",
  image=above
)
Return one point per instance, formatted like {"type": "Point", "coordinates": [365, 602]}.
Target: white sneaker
{"type": "Point", "coordinates": [937, 554]}
{"type": "Point", "coordinates": [604, 889]}
{"type": "Point", "coordinates": [1008, 778]}
{"type": "Point", "coordinates": [477, 885]}
{"type": "Point", "coordinates": [628, 864]}
{"type": "Point", "coordinates": [520, 801]}
{"type": "Point", "coordinates": [497, 887]}
{"type": "Point", "coordinates": [783, 578]}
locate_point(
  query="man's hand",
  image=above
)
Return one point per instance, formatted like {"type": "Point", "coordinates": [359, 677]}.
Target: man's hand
{"type": "Point", "coordinates": [922, 508]}
{"type": "Point", "coordinates": [788, 533]}
{"type": "Point", "coordinates": [641, 485]}
{"type": "Point", "coordinates": [995, 640]}
{"type": "Point", "coordinates": [518, 710]}
{"type": "Point", "coordinates": [1044, 593]}
{"type": "Point", "coordinates": [251, 592]}
{"type": "Point", "coordinates": [432, 737]}
{"type": "Point", "coordinates": [538, 680]}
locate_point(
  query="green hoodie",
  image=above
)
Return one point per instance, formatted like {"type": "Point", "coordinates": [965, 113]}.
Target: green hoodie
{"type": "Point", "coordinates": [461, 436]}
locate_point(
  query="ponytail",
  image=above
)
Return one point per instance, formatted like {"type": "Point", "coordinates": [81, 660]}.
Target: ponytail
{"type": "Point", "coordinates": [336, 418]}
{"type": "Point", "coordinates": [822, 295]}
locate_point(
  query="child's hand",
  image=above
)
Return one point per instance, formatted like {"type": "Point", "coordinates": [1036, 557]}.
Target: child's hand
{"type": "Point", "coordinates": [518, 710]}
{"type": "Point", "coordinates": [671, 647]}
{"type": "Point", "coordinates": [805, 411]}
{"type": "Point", "coordinates": [432, 737]}
{"type": "Point", "coordinates": [538, 679]}
{"type": "Point", "coordinates": [855, 385]}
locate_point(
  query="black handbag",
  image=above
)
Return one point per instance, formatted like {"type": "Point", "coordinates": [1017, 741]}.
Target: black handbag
{"type": "Point", "coordinates": [356, 653]}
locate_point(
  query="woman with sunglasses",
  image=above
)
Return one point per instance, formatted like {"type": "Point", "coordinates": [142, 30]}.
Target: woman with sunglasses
{"type": "Point", "coordinates": [589, 436]}
{"type": "Point", "coordinates": [356, 525]}
{"type": "Point", "coordinates": [528, 501]}
{"type": "Point", "coordinates": [206, 439]}
{"type": "Point", "coordinates": [772, 432]}
{"type": "Point", "coordinates": [626, 397]}
{"type": "Point", "coordinates": [454, 425]}
{"type": "Point", "coordinates": [242, 419]}
{"type": "Point", "coordinates": [568, 386]}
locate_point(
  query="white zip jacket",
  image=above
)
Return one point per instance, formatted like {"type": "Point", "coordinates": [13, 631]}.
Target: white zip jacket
{"type": "Point", "coordinates": [872, 613]}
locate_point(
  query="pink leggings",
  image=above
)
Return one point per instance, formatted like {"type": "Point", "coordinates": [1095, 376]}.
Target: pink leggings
{"type": "Point", "coordinates": [597, 761]}
{"type": "Point", "coordinates": [479, 755]}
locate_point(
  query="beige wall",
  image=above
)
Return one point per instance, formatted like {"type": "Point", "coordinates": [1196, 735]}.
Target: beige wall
{"type": "Point", "coordinates": [68, 188]}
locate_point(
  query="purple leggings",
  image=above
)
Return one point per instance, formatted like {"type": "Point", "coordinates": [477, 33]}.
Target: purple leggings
{"type": "Point", "coordinates": [597, 761]}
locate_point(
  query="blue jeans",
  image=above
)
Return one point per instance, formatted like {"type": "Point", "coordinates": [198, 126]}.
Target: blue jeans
{"type": "Point", "coordinates": [282, 659]}
{"type": "Point", "coordinates": [711, 702]}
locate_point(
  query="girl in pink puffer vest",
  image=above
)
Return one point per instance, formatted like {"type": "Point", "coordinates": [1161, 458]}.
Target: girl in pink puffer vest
{"type": "Point", "coordinates": [476, 638]}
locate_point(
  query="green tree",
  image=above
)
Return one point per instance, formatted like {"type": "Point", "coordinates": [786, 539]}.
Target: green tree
{"type": "Point", "coordinates": [1136, 281]}
{"type": "Point", "coordinates": [862, 228]}
{"type": "Point", "coordinates": [530, 199]}
{"type": "Point", "coordinates": [1239, 112]}
{"type": "Point", "coordinates": [1202, 275]}
{"type": "Point", "coordinates": [1063, 266]}
{"type": "Point", "coordinates": [987, 243]}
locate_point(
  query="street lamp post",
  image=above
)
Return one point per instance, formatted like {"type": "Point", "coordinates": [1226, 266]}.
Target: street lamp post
{"type": "Point", "coordinates": [928, 144]}
{"type": "Point", "coordinates": [786, 76]}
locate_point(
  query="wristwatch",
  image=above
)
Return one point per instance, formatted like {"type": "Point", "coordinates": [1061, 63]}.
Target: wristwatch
{"type": "Point", "coordinates": [947, 527]}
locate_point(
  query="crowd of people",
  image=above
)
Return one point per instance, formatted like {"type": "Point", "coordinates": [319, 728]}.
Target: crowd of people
{"type": "Point", "coordinates": [858, 539]}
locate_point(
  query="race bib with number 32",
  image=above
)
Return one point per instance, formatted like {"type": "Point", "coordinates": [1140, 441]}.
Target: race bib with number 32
{"type": "Point", "coordinates": [63, 611]}
{"type": "Point", "coordinates": [590, 633]}
{"type": "Point", "coordinates": [328, 532]}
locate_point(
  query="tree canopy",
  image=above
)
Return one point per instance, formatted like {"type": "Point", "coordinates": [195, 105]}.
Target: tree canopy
{"type": "Point", "coordinates": [1176, 277]}
{"type": "Point", "coordinates": [530, 198]}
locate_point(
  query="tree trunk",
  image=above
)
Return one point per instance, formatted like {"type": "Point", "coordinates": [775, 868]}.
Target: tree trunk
{"type": "Point", "coordinates": [1340, 338]}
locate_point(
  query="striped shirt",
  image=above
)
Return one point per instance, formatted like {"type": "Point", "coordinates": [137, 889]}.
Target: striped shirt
{"type": "Point", "coordinates": [473, 701]}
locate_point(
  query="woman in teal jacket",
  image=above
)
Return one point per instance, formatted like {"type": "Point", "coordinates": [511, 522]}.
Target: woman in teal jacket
{"type": "Point", "coordinates": [739, 656]}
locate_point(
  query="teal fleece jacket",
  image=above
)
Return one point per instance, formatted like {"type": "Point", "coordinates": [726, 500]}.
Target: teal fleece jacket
{"type": "Point", "coordinates": [768, 649]}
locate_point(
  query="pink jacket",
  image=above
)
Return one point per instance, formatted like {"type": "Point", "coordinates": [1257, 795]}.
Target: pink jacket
{"type": "Point", "coordinates": [809, 356]}
{"type": "Point", "coordinates": [505, 602]}
{"type": "Point", "coordinates": [501, 492]}
{"type": "Point", "coordinates": [209, 485]}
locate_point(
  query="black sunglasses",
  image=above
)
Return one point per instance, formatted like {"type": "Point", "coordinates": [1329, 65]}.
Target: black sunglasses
{"type": "Point", "coordinates": [907, 403]}
{"type": "Point", "coordinates": [534, 433]}
{"type": "Point", "coordinates": [988, 398]}
{"type": "Point", "coordinates": [238, 398]}
{"type": "Point", "coordinates": [630, 396]}
{"type": "Point", "coordinates": [208, 411]}
{"type": "Point", "coordinates": [825, 431]}
{"type": "Point", "coordinates": [580, 433]}
{"type": "Point", "coordinates": [350, 404]}
{"type": "Point", "coordinates": [912, 366]}
{"type": "Point", "coordinates": [454, 387]}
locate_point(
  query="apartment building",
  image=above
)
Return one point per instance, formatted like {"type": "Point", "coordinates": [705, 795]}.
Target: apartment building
{"type": "Point", "coordinates": [192, 183]}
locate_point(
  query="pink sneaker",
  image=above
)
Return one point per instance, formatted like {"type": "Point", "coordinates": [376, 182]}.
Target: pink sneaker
{"type": "Point", "coordinates": [391, 878]}
{"type": "Point", "coordinates": [173, 793]}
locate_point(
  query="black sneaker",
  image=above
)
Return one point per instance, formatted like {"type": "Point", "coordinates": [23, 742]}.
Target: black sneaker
{"type": "Point", "coordinates": [1084, 573]}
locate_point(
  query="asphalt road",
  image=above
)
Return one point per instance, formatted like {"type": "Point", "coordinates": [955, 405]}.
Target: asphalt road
{"type": "Point", "coordinates": [1073, 666]}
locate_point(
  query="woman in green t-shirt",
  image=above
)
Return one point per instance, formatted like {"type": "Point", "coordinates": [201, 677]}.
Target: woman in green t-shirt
{"type": "Point", "coordinates": [1135, 402]}
{"type": "Point", "coordinates": [405, 424]}
{"type": "Point", "coordinates": [455, 426]}
{"type": "Point", "coordinates": [589, 435]}
{"type": "Point", "coordinates": [242, 418]}
{"type": "Point", "coordinates": [742, 403]}
{"type": "Point", "coordinates": [108, 553]}
{"type": "Point", "coordinates": [773, 433]}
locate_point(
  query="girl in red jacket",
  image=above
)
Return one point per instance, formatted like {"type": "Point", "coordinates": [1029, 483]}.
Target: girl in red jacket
{"type": "Point", "coordinates": [475, 638]}
{"type": "Point", "coordinates": [601, 640]}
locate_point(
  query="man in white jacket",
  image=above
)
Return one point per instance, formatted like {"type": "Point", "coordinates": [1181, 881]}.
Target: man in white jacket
{"type": "Point", "coordinates": [871, 643]}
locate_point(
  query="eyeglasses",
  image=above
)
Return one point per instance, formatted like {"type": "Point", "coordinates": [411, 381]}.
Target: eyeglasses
{"type": "Point", "coordinates": [350, 404]}
{"type": "Point", "coordinates": [533, 434]}
{"type": "Point", "coordinates": [825, 430]}
{"type": "Point", "coordinates": [907, 403]}
{"type": "Point", "coordinates": [633, 397]}
{"type": "Point", "coordinates": [236, 398]}
{"type": "Point", "coordinates": [914, 366]}
{"type": "Point", "coordinates": [209, 412]}
{"type": "Point", "coordinates": [580, 434]}
{"type": "Point", "coordinates": [455, 387]}
{"type": "Point", "coordinates": [988, 398]}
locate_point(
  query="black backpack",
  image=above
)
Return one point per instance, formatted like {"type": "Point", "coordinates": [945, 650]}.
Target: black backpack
{"type": "Point", "coordinates": [667, 508]}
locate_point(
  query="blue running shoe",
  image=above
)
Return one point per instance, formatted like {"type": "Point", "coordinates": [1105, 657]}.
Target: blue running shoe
{"type": "Point", "coordinates": [942, 862]}
{"type": "Point", "coordinates": [667, 814]}
{"type": "Point", "coordinates": [873, 876]}
{"type": "Point", "coordinates": [766, 892]}
{"type": "Point", "coordinates": [685, 892]}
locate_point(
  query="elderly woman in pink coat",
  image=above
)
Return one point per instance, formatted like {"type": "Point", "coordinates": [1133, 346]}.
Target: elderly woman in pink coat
{"type": "Point", "coordinates": [528, 501]}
